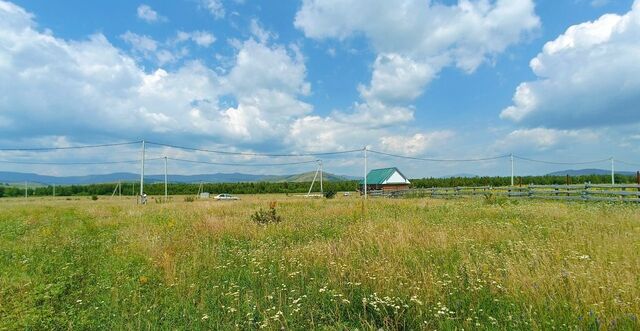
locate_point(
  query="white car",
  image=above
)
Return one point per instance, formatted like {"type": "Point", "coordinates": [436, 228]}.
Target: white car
{"type": "Point", "coordinates": [225, 197]}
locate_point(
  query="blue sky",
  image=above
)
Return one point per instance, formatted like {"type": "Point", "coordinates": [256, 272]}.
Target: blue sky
{"type": "Point", "coordinates": [552, 80]}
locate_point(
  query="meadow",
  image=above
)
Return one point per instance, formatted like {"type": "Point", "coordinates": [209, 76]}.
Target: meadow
{"type": "Point", "coordinates": [395, 264]}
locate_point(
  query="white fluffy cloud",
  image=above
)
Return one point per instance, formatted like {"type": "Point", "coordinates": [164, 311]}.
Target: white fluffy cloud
{"type": "Point", "coordinates": [215, 7]}
{"type": "Point", "coordinates": [589, 76]}
{"type": "Point", "coordinates": [77, 90]}
{"type": "Point", "coordinates": [543, 139]}
{"type": "Point", "coordinates": [415, 39]}
{"type": "Point", "coordinates": [90, 88]}
{"type": "Point", "coordinates": [415, 144]}
{"type": "Point", "coordinates": [147, 14]}
{"type": "Point", "coordinates": [200, 38]}
{"type": "Point", "coordinates": [170, 51]}
{"type": "Point", "coordinates": [140, 43]}
{"type": "Point", "coordinates": [397, 78]}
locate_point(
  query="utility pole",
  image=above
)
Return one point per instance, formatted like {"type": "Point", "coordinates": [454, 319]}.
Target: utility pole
{"type": "Point", "coordinates": [613, 172]}
{"type": "Point", "coordinates": [142, 172]}
{"type": "Point", "coordinates": [321, 189]}
{"type": "Point", "coordinates": [119, 189]}
{"type": "Point", "coordinates": [512, 171]}
{"type": "Point", "coordinates": [365, 172]}
{"type": "Point", "coordinates": [165, 180]}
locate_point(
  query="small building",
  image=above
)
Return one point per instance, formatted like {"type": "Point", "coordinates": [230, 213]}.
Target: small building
{"type": "Point", "coordinates": [386, 180]}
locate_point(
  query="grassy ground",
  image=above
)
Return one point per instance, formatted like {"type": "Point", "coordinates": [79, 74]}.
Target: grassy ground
{"type": "Point", "coordinates": [404, 264]}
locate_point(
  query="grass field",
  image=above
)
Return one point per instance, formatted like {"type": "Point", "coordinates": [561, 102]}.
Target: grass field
{"type": "Point", "coordinates": [402, 264]}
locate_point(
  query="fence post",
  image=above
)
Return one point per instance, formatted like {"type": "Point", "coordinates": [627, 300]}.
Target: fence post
{"type": "Point", "coordinates": [586, 191]}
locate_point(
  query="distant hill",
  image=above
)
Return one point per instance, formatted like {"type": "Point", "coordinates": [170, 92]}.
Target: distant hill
{"type": "Point", "coordinates": [306, 177]}
{"type": "Point", "coordinates": [587, 172]}
{"type": "Point", "coordinates": [32, 178]}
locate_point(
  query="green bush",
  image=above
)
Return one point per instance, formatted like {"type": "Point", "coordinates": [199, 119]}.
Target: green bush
{"type": "Point", "coordinates": [265, 217]}
{"type": "Point", "coordinates": [94, 197]}
{"type": "Point", "coordinates": [329, 194]}
{"type": "Point", "coordinates": [495, 199]}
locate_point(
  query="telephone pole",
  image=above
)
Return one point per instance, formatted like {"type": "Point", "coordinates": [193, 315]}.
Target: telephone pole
{"type": "Point", "coordinates": [512, 171]}
{"type": "Point", "coordinates": [613, 172]}
{"type": "Point", "coordinates": [142, 172]}
{"type": "Point", "coordinates": [165, 180]}
{"type": "Point", "coordinates": [321, 189]}
{"type": "Point", "coordinates": [365, 172]}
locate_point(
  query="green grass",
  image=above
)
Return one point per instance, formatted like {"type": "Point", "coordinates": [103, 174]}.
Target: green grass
{"type": "Point", "coordinates": [403, 264]}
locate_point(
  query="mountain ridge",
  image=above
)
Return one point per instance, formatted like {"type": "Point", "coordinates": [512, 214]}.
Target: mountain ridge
{"type": "Point", "coordinates": [19, 177]}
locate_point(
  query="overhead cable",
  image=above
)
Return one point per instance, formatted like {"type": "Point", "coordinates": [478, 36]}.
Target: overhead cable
{"type": "Point", "coordinates": [251, 153]}
{"type": "Point", "coordinates": [75, 163]}
{"type": "Point", "coordinates": [439, 160]}
{"type": "Point", "coordinates": [561, 163]}
{"type": "Point", "coordinates": [37, 149]}
{"type": "Point", "coordinates": [628, 163]}
{"type": "Point", "coordinates": [242, 164]}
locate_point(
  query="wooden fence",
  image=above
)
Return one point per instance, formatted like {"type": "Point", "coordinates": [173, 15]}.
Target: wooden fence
{"type": "Point", "coordinates": [584, 192]}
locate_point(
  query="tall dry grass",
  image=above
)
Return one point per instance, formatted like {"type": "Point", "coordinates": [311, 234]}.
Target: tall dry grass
{"type": "Point", "coordinates": [336, 264]}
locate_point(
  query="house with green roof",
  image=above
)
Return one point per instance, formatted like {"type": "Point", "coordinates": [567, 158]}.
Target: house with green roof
{"type": "Point", "coordinates": [386, 179]}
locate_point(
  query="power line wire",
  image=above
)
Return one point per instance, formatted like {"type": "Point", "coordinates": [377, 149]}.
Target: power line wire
{"type": "Point", "coordinates": [242, 164]}
{"type": "Point", "coordinates": [560, 163]}
{"type": "Point", "coordinates": [628, 163]}
{"type": "Point", "coordinates": [76, 163]}
{"type": "Point", "coordinates": [38, 149]}
{"type": "Point", "coordinates": [438, 160]}
{"type": "Point", "coordinates": [250, 153]}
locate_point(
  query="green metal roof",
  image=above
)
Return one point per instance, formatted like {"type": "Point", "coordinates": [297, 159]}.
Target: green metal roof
{"type": "Point", "coordinates": [378, 176]}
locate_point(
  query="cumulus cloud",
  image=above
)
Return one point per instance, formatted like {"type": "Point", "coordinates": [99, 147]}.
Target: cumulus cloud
{"type": "Point", "coordinates": [419, 37]}
{"type": "Point", "coordinates": [397, 78]}
{"type": "Point", "coordinates": [140, 43]}
{"type": "Point", "coordinates": [589, 76]}
{"type": "Point", "coordinates": [145, 47]}
{"type": "Point", "coordinates": [214, 7]}
{"type": "Point", "coordinates": [259, 32]}
{"type": "Point", "coordinates": [414, 40]}
{"type": "Point", "coordinates": [169, 51]}
{"type": "Point", "coordinates": [542, 139]}
{"type": "Point", "coordinates": [147, 14]}
{"type": "Point", "coordinates": [79, 90]}
{"type": "Point", "coordinates": [415, 144]}
{"type": "Point", "coordinates": [90, 88]}
{"type": "Point", "coordinates": [200, 38]}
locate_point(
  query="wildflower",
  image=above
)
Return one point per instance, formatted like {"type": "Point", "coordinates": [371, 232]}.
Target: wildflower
{"type": "Point", "coordinates": [205, 317]}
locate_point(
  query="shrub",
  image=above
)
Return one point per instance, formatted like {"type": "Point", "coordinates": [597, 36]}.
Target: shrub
{"type": "Point", "coordinates": [329, 194]}
{"type": "Point", "coordinates": [495, 199]}
{"type": "Point", "coordinates": [265, 217]}
{"type": "Point", "coordinates": [94, 197]}
{"type": "Point", "coordinates": [189, 198]}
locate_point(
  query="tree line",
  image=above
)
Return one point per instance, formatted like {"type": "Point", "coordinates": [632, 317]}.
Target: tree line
{"type": "Point", "coordinates": [133, 188]}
